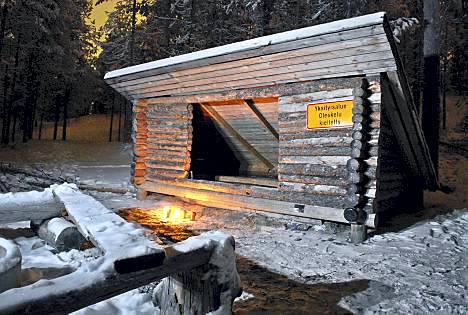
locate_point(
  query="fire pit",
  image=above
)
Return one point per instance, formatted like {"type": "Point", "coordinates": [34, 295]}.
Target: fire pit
{"type": "Point", "coordinates": [168, 224]}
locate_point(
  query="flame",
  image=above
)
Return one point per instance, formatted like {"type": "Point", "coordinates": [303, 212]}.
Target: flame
{"type": "Point", "coordinates": [175, 215]}
{"type": "Point", "coordinates": [167, 223]}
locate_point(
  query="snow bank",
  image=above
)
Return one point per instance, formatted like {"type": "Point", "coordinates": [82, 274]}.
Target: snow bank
{"type": "Point", "coordinates": [10, 265]}
{"type": "Point", "coordinates": [10, 255]}
{"type": "Point", "coordinates": [26, 198]}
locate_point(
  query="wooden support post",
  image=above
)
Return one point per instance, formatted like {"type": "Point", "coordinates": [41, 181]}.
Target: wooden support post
{"type": "Point", "coordinates": [209, 288]}
{"type": "Point", "coordinates": [358, 233]}
{"type": "Point", "coordinates": [141, 194]}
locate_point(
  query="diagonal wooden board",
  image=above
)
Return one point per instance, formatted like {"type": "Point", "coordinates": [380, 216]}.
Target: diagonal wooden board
{"type": "Point", "coordinates": [126, 243]}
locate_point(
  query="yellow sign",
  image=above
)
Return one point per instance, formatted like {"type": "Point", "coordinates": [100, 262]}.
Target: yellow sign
{"type": "Point", "coordinates": [330, 115]}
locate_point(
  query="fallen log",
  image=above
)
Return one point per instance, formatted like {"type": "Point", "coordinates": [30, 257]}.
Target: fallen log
{"type": "Point", "coordinates": [61, 234]}
{"type": "Point", "coordinates": [126, 242]}
{"type": "Point", "coordinates": [25, 206]}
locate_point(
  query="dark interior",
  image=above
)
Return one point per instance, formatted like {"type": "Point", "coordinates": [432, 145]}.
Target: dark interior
{"type": "Point", "coordinates": [211, 155]}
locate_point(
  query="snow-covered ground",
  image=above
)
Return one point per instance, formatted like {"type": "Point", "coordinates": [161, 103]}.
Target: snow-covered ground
{"type": "Point", "coordinates": [418, 265]}
{"type": "Point", "coordinates": [421, 269]}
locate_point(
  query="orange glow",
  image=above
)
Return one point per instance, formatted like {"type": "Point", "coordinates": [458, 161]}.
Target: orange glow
{"type": "Point", "coordinates": [175, 215]}
{"type": "Point", "coordinates": [169, 223]}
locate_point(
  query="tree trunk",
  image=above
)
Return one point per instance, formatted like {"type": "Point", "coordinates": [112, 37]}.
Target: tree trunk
{"type": "Point", "coordinates": [13, 132]}
{"type": "Point", "coordinates": [12, 91]}
{"type": "Point", "coordinates": [112, 117]}
{"type": "Point", "coordinates": [119, 137]}
{"type": "Point", "coordinates": [3, 25]}
{"type": "Point", "coordinates": [40, 127]}
{"type": "Point", "coordinates": [57, 115]}
{"type": "Point", "coordinates": [268, 6]}
{"type": "Point", "coordinates": [6, 83]}
{"type": "Point", "coordinates": [132, 38]}
{"type": "Point", "coordinates": [431, 91]}
{"type": "Point", "coordinates": [65, 113]}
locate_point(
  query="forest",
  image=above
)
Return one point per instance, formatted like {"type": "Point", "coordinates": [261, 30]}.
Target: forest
{"type": "Point", "coordinates": [53, 57]}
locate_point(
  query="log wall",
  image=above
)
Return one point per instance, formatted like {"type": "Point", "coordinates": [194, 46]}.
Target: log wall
{"type": "Point", "coordinates": [168, 141]}
{"type": "Point", "coordinates": [330, 167]}
{"type": "Point", "coordinates": [139, 140]}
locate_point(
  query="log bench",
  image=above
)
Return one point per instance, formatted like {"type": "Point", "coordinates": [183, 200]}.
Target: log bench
{"type": "Point", "coordinates": [200, 272]}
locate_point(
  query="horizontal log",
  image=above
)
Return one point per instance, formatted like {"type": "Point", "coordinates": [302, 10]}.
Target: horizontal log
{"type": "Point", "coordinates": [249, 180]}
{"type": "Point", "coordinates": [217, 199]}
{"type": "Point", "coordinates": [301, 132]}
{"type": "Point", "coordinates": [26, 206]}
{"type": "Point", "coordinates": [322, 141]}
{"type": "Point", "coordinates": [315, 151]}
{"type": "Point", "coordinates": [154, 107]}
{"type": "Point", "coordinates": [139, 173]}
{"type": "Point", "coordinates": [154, 147]}
{"type": "Point", "coordinates": [175, 142]}
{"type": "Point", "coordinates": [156, 168]}
{"type": "Point", "coordinates": [312, 170]}
{"type": "Point", "coordinates": [216, 186]}
{"type": "Point", "coordinates": [315, 180]}
{"type": "Point", "coordinates": [314, 189]}
{"type": "Point", "coordinates": [169, 129]}
{"type": "Point", "coordinates": [297, 197]}
{"type": "Point", "coordinates": [164, 156]}
{"type": "Point", "coordinates": [165, 173]}
{"type": "Point", "coordinates": [319, 160]}
{"type": "Point", "coordinates": [174, 116]}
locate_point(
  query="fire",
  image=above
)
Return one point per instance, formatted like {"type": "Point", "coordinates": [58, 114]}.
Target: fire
{"type": "Point", "coordinates": [168, 223]}
{"type": "Point", "coordinates": [176, 215]}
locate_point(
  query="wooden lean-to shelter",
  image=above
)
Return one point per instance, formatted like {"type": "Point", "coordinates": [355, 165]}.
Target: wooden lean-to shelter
{"type": "Point", "coordinates": [305, 123]}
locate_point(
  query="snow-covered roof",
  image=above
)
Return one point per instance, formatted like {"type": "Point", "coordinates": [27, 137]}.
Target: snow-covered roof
{"type": "Point", "coordinates": [336, 26]}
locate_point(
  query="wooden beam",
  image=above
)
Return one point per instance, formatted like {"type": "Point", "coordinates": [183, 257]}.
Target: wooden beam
{"type": "Point", "coordinates": [251, 105]}
{"type": "Point", "coordinates": [268, 182]}
{"type": "Point", "coordinates": [406, 127]}
{"type": "Point", "coordinates": [80, 289]}
{"type": "Point", "coordinates": [223, 123]}
{"type": "Point", "coordinates": [245, 203]}
{"type": "Point", "coordinates": [26, 206]}
{"type": "Point", "coordinates": [412, 124]}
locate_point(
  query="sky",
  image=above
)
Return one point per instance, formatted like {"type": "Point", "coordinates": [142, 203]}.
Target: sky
{"type": "Point", "coordinates": [99, 13]}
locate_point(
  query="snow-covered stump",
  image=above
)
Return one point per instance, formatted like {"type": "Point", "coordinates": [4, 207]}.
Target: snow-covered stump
{"type": "Point", "coordinates": [10, 265]}
{"type": "Point", "coordinates": [61, 234]}
{"type": "Point", "coordinates": [208, 289]}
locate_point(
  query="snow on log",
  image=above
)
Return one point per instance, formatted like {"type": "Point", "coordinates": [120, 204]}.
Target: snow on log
{"type": "Point", "coordinates": [32, 205]}
{"type": "Point", "coordinates": [97, 280]}
{"type": "Point", "coordinates": [10, 265]}
{"type": "Point", "coordinates": [61, 234]}
{"type": "Point", "coordinates": [125, 242]}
